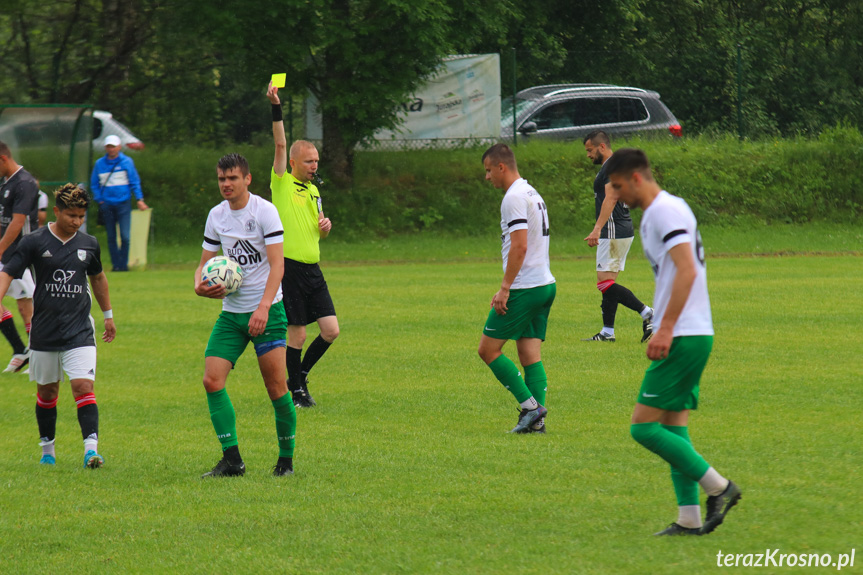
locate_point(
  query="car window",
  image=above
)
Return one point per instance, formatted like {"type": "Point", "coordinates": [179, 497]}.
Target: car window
{"type": "Point", "coordinates": [506, 110]}
{"type": "Point", "coordinates": [597, 111]}
{"type": "Point", "coordinates": [97, 128]}
{"type": "Point", "coordinates": [556, 116]}
{"type": "Point", "coordinates": [611, 110]}
{"type": "Point", "coordinates": [632, 110]}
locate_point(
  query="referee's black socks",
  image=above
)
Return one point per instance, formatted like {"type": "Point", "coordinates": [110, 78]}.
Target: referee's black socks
{"type": "Point", "coordinates": [292, 359]}
{"type": "Point", "coordinates": [316, 350]}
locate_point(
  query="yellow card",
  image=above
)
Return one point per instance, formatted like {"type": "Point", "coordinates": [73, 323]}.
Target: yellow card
{"type": "Point", "coordinates": [278, 80]}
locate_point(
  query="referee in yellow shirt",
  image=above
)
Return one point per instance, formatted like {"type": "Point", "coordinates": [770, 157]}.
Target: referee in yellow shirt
{"type": "Point", "coordinates": [306, 296]}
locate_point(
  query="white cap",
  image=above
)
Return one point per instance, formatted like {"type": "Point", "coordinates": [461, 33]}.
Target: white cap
{"type": "Point", "coordinates": [112, 140]}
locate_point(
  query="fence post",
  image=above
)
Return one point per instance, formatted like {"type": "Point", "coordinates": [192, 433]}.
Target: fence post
{"type": "Point", "coordinates": [739, 97]}
{"type": "Point", "coordinates": [290, 120]}
{"type": "Point", "coordinates": [514, 133]}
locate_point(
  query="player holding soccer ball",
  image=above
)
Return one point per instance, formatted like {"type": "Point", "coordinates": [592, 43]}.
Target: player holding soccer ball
{"type": "Point", "coordinates": [247, 229]}
{"type": "Point", "coordinates": [680, 345]}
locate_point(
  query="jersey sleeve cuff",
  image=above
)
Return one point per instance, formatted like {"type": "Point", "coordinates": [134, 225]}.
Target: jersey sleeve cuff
{"type": "Point", "coordinates": [683, 238]}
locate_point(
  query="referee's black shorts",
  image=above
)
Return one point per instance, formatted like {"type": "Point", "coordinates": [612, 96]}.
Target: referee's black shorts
{"type": "Point", "coordinates": [305, 293]}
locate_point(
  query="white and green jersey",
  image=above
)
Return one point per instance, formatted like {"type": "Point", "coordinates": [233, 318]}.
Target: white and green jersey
{"type": "Point", "coordinates": [523, 209]}
{"type": "Point", "coordinates": [668, 222]}
{"type": "Point", "coordinates": [244, 236]}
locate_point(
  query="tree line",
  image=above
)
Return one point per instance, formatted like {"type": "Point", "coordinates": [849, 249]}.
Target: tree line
{"type": "Point", "coordinates": [189, 71]}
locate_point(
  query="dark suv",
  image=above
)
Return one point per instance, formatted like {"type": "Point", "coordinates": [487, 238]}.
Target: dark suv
{"type": "Point", "coordinates": [571, 111]}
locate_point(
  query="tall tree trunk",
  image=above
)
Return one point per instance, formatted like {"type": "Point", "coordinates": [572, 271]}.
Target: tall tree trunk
{"type": "Point", "coordinates": [337, 156]}
{"type": "Point", "coordinates": [338, 146]}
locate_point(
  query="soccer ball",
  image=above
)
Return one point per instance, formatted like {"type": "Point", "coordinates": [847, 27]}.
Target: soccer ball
{"type": "Point", "coordinates": [223, 271]}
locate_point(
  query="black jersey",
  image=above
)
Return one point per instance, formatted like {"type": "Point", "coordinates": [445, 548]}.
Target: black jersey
{"type": "Point", "coordinates": [619, 223]}
{"type": "Point", "coordinates": [19, 194]}
{"type": "Point", "coordinates": [62, 300]}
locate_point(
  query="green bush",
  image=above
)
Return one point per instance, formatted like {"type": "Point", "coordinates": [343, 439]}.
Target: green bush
{"type": "Point", "coordinates": [725, 180]}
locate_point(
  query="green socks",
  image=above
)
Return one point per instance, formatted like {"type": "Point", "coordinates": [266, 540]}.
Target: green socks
{"type": "Point", "coordinates": [225, 421]}
{"type": "Point", "coordinates": [507, 374]}
{"type": "Point", "coordinates": [536, 381]}
{"type": "Point", "coordinates": [671, 447]}
{"type": "Point", "coordinates": [224, 418]}
{"type": "Point", "coordinates": [685, 488]}
{"type": "Point", "coordinates": [286, 424]}
{"type": "Point", "coordinates": [534, 384]}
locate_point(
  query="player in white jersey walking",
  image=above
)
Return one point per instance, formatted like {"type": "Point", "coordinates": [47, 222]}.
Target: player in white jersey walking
{"type": "Point", "coordinates": [520, 308]}
{"type": "Point", "coordinates": [681, 343]}
{"type": "Point", "coordinates": [248, 230]}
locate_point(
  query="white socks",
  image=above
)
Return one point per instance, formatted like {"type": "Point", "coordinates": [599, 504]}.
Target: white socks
{"type": "Point", "coordinates": [91, 443]}
{"type": "Point", "coordinates": [47, 446]}
{"type": "Point", "coordinates": [689, 516]}
{"type": "Point", "coordinates": [713, 483]}
{"type": "Point", "coordinates": [529, 404]}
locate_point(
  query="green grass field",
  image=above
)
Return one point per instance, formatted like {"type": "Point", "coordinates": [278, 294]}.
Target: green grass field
{"type": "Point", "coordinates": [405, 466]}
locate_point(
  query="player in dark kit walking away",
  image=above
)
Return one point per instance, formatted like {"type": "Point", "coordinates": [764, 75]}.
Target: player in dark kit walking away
{"type": "Point", "coordinates": [63, 338]}
{"type": "Point", "coordinates": [19, 193]}
{"type": "Point", "coordinates": [612, 237]}
{"type": "Point", "coordinates": [307, 297]}
{"type": "Point", "coordinates": [680, 347]}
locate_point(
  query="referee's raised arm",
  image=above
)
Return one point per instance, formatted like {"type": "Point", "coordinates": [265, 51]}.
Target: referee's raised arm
{"type": "Point", "coordinates": [280, 160]}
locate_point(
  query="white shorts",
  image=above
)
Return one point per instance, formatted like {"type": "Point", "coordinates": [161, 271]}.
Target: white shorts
{"type": "Point", "coordinates": [23, 288]}
{"type": "Point", "coordinates": [48, 366]}
{"type": "Point", "coordinates": [611, 254]}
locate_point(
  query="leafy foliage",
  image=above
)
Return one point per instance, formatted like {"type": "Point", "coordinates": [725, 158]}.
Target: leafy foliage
{"type": "Point", "coordinates": [724, 180]}
{"type": "Point", "coordinates": [194, 71]}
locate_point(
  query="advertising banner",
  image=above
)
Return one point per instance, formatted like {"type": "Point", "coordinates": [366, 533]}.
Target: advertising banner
{"type": "Point", "coordinates": [460, 100]}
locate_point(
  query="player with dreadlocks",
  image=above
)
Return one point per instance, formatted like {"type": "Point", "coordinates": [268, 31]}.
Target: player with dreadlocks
{"type": "Point", "coordinates": [62, 338]}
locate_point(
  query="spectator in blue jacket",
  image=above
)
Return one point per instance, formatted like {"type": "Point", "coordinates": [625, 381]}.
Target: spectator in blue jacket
{"type": "Point", "coordinates": [113, 182]}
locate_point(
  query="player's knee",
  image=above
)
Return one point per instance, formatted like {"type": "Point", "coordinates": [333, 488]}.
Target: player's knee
{"type": "Point", "coordinates": [487, 355]}
{"type": "Point", "coordinates": [81, 386]}
{"type": "Point", "coordinates": [330, 334]}
{"type": "Point", "coordinates": [296, 341]}
{"type": "Point", "coordinates": [602, 286]}
{"type": "Point", "coordinates": [212, 384]}
{"type": "Point", "coordinates": [276, 387]}
{"type": "Point", "coordinates": [48, 393]}
{"type": "Point", "coordinates": [481, 352]}
{"type": "Point", "coordinates": [647, 434]}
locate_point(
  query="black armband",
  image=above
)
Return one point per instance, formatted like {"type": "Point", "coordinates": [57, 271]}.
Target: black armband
{"type": "Point", "coordinates": [277, 112]}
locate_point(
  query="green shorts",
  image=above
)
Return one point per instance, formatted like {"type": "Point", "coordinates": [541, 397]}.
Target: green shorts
{"type": "Point", "coordinates": [230, 335]}
{"type": "Point", "coordinates": [526, 314]}
{"type": "Point", "coordinates": [672, 383]}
